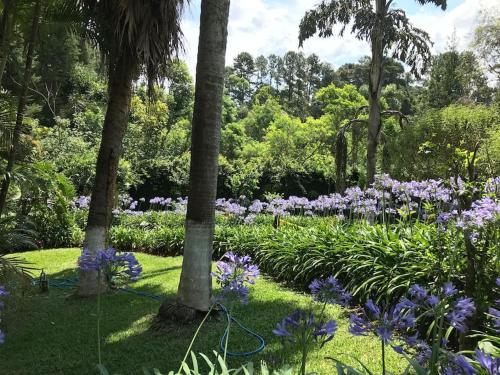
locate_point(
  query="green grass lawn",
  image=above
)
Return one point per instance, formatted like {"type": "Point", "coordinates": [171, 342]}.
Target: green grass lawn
{"type": "Point", "coordinates": [55, 334]}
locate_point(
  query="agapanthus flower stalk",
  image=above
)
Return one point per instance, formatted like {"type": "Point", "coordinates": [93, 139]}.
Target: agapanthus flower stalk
{"type": "Point", "coordinates": [301, 329]}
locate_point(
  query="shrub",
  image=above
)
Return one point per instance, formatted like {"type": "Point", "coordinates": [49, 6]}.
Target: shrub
{"type": "Point", "coordinates": [371, 260]}
{"type": "Point", "coordinates": [55, 228]}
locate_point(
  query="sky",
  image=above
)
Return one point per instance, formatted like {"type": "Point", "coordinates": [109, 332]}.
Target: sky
{"type": "Point", "coordinates": [271, 26]}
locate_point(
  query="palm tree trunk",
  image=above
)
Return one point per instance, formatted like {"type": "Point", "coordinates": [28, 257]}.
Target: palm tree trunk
{"type": "Point", "coordinates": [375, 87]}
{"type": "Point", "coordinates": [21, 106]}
{"type": "Point", "coordinates": [104, 188]}
{"type": "Point", "coordinates": [195, 287]}
{"type": "Point", "coordinates": [6, 27]}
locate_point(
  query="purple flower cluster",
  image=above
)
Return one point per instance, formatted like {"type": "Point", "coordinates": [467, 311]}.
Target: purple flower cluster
{"type": "Point", "coordinates": [494, 312]}
{"type": "Point", "coordinates": [387, 197]}
{"type": "Point", "coordinates": [387, 325]}
{"type": "Point", "coordinates": [330, 291]}
{"type": "Point", "coordinates": [292, 328]}
{"type": "Point", "coordinates": [231, 207]}
{"type": "Point", "coordinates": [233, 273]}
{"type": "Point", "coordinates": [495, 317]}
{"type": "Point", "coordinates": [129, 206]}
{"type": "Point", "coordinates": [457, 364]}
{"type": "Point", "coordinates": [160, 202]}
{"type": "Point", "coordinates": [3, 293]}
{"type": "Point", "coordinates": [111, 263]}
{"type": "Point", "coordinates": [489, 363]}
{"type": "Point", "coordinates": [129, 212]}
{"type": "Point", "coordinates": [81, 203]}
{"type": "Point", "coordinates": [492, 186]}
{"type": "Point", "coordinates": [395, 326]}
{"type": "Point", "coordinates": [456, 310]}
{"type": "Point", "coordinates": [483, 212]}
{"type": "Point", "coordinates": [461, 310]}
{"type": "Point", "coordinates": [433, 191]}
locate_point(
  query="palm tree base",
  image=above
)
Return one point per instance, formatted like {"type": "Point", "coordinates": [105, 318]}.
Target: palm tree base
{"type": "Point", "coordinates": [173, 313]}
{"type": "Point", "coordinates": [88, 285]}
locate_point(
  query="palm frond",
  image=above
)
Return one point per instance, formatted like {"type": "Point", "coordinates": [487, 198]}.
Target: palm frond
{"type": "Point", "coordinates": [151, 30]}
{"type": "Point", "coordinates": [146, 31]}
{"type": "Point", "coordinates": [15, 267]}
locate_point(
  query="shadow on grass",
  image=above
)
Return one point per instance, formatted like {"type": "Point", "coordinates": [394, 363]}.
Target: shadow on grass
{"type": "Point", "coordinates": [164, 349]}
{"type": "Point", "coordinates": [55, 333]}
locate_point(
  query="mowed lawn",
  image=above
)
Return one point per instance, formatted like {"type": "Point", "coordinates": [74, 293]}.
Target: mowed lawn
{"type": "Point", "coordinates": [56, 334]}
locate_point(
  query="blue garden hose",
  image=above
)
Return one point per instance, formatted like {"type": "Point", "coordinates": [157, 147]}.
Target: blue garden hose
{"type": "Point", "coordinates": [71, 283]}
{"type": "Point", "coordinates": [260, 339]}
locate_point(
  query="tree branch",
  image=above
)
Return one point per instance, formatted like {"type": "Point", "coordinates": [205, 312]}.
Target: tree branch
{"type": "Point", "coordinates": [402, 117]}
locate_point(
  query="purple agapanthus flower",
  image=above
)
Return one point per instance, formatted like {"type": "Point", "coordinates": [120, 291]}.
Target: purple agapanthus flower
{"type": "Point", "coordinates": [281, 329]}
{"type": "Point", "coordinates": [462, 309]}
{"type": "Point", "coordinates": [111, 263]}
{"type": "Point", "coordinates": [2, 337]}
{"type": "Point", "coordinates": [418, 293]}
{"type": "Point", "coordinates": [449, 289]}
{"type": "Point", "coordinates": [130, 266]}
{"type": "Point", "coordinates": [326, 331]}
{"type": "Point", "coordinates": [301, 324]}
{"type": "Point", "coordinates": [359, 326]}
{"type": "Point", "coordinates": [457, 313]}
{"type": "Point", "coordinates": [330, 290]}
{"type": "Point", "coordinates": [495, 317]}
{"type": "Point", "coordinates": [423, 351]}
{"type": "Point", "coordinates": [459, 365]}
{"type": "Point", "coordinates": [487, 362]}
{"type": "Point", "coordinates": [384, 324]}
{"type": "Point", "coordinates": [233, 274]}
{"type": "Point", "coordinates": [88, 262]}
{"type": "Point", "coordinates": [256, 207]}
{"type": "Point", "coordinates": [3, 292]}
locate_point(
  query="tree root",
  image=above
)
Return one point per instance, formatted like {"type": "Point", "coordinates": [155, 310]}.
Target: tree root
{"type": "Point", "coordinates": [173, 314]}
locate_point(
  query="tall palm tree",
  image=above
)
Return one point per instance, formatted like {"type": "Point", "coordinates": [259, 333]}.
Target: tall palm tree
{"type": "Point", "coordinates": [195, 285]}
{"type": "Point", "coordinates": [137, 36]}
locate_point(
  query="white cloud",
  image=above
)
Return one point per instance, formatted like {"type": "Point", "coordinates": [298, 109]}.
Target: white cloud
{"type": "Point", "coordinates": [271, 26]}
{"type": "Point", "coordinates": [460, 21]}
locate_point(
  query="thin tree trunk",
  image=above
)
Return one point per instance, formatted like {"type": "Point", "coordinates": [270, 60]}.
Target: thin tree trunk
{"type": "Point", "coordinates": [340, 155]}
{"type": "Point", "coordinates": [7, 25]}
{"type": "Point", "coordinates": [21, 106]}
{"type": "Point", "coordinates": [195, 287]}
{"type": "Point", "coordinates": [375, 87]}
{"type": "Point", "coordinates": [104, 188]}
{"type": "Point", "coordinates": [355, 135]}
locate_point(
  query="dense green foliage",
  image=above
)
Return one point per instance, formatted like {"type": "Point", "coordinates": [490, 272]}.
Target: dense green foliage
{"type": "Point", "coordinates": [281, 117]}
{"type": "Point", "coordinates": [373, 261]}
